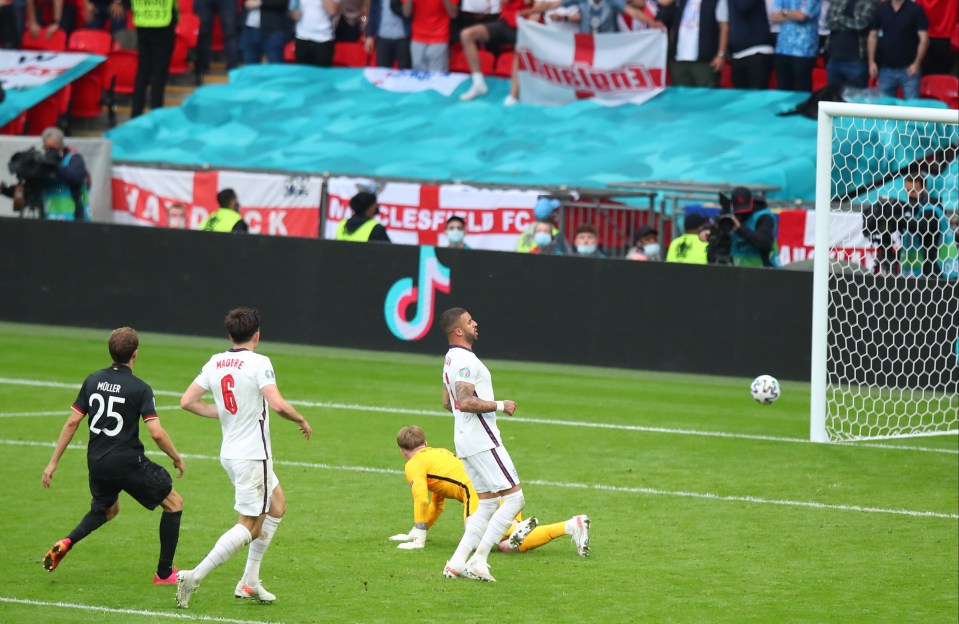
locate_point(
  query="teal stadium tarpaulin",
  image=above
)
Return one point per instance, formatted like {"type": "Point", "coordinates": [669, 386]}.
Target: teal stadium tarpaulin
{"type": "Point", "coordinates": [334, 120]}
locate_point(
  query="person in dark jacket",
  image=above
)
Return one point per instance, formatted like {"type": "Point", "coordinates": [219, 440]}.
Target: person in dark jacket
{"type": "Point", "coordinates": [389, 32]}
{"type": "Point", "coordinates": [266, 27]}
{"type": "Point", "coordinates": [750, 44]}
{"type": "Point", "coordinates": [698, 38]}
{"type": "Point", "coordinates": [362, 226]}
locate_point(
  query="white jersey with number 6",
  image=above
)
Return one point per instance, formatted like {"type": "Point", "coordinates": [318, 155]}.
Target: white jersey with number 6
{"type": "Point", "coordinates": [235, 378]}
{"type": "Point", "coordinates": [472, 433]}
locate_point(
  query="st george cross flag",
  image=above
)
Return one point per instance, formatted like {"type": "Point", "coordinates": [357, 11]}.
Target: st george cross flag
{"type": "Point", "coordinates": [559, 67]}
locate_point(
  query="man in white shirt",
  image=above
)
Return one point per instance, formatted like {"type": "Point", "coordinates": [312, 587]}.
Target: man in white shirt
{"type": "Point", "coordinates": [315, 30]}
{"type": "Point", "coordinates": [243, 385]}
{"type": "Point", "coordinates": [468, 393]}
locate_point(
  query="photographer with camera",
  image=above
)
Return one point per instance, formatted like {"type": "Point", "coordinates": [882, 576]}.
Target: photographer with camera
{"type": "Point", "coordinates": [52, 181]}
{"type": "Point", "coordinates": [745, 232]}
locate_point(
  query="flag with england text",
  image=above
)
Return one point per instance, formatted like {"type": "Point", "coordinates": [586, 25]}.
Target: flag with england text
{"type": "Point", "coordinates": [559, 67]}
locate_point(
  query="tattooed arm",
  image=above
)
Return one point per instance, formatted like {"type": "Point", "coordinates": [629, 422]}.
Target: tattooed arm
{"type": "Point", "coordinates": [467, 401]}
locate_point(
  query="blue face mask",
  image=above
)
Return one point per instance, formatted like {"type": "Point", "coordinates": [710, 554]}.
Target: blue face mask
{"type": "Point", "coordinates": [651, 249]}
{"type": "Point", "coordinates": [455, 236]}
{"type": "Point", "coordinates": [585, 250]}
{"type": "Point", "coordinates": [542, 239]}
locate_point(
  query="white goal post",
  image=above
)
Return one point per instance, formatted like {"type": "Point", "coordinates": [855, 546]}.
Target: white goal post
{"type": "Point", "coordinates": [885, 326]}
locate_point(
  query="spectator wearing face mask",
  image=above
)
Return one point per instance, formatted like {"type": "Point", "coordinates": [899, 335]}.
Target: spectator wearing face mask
{"type": "Point", "coordinates": [587, 242]}
{"type": "Point", "coordinates": [545, 210]}
{"type": "Point", "coordinates": [545, 241]}
{"type": "Point", "coordinates": [645, 245]}
{"type": "Point", "coordinates": [456, 233]}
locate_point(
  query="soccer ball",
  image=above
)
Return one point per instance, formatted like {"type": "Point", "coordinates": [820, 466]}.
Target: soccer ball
{"type": "Point", "coordinates": [764, 389]}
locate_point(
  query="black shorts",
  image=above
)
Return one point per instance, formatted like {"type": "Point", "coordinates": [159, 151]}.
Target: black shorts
{"type": "Point", "coordinates": [147, 482]}
{"type": "Point", "coordinates": [501, 33]}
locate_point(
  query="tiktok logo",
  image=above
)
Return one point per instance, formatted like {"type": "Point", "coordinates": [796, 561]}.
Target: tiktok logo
{"type": "Point", "coordinates": [433, 276]}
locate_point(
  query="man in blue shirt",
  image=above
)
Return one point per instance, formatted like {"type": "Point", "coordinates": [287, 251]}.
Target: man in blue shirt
{"type": "Point", "coordinates": [798, 42]}
{"type": "Point", "coordinates": [900, 33]}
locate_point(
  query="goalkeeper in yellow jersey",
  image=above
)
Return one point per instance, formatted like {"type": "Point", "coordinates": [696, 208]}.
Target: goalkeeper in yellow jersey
{"type": "Point", "coordinates": [440, 472]}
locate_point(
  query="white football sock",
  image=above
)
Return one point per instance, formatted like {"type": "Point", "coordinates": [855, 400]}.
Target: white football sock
{"type": "Point", "coordinates": [228, 545]}
{"type": "Point", "coordinates": [499, 524]}
{"type": "Point", "coordinates": [475, 529]}
{"type": "Point", "coordinates": [258, 548]}
{"type": "Point", "coordinates": [478, 78]}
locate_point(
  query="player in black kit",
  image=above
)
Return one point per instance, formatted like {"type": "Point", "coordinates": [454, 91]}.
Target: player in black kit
{"type": "Point", "coordinates": [115, 400]}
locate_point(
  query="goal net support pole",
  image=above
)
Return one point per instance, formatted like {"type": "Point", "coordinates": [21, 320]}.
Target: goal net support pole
{"type": "Point", "coordinates": [939, 396]}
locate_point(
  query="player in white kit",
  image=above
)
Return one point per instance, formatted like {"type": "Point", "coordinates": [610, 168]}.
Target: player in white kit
{"type": "Point", "coordinates": [243, 385]}
{"type": "Point", "coordinates": [468, 393]}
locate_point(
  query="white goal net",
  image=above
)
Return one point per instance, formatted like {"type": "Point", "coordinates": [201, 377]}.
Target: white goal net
{"type": "Point", "coordinates": [885, 353]}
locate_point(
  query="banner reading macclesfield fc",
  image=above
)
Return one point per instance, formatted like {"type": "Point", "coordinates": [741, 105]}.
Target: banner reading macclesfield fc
{"type": "Point", "coordinates": [559, 67]}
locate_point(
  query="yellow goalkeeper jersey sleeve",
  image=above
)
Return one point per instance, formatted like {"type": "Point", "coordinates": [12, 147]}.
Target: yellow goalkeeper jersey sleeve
{"type": "Point", "coordinates": [440, 472]}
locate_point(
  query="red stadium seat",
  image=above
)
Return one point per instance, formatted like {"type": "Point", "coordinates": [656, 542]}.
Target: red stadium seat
{"type": "Point", "coordinates": [15, 126]}
{"type": "Point", "coordinates": [819, 78]}
{"type": "Point", "coordinates": [186, 8]}
{"type": "Point", "coordinates": [189, 27]}
{"type": "Point", "coordinates": [942, 87]}
{"type": "Point", "coordinates": [726, 77]}
{"type": "Point", "coordinates": [504, 65]}
{"type": "Point", "coordinates": [44, 114]}
{"type": "Point", "coordinates": [87, 94]}
{"type": "Point", "coordinates": [351, 54]}
{"type": "Point", "coordinates": [90, 40]}
{"type": "Point", "coordinates": [56, 43]}
{"type": "Point", "coordinates": [178, 61]}
{"type": "Point", "coordinates": [289, 52]}
{"type": "Point", "coordinates": [487, 62]}
{"type": "Point", "coordinates": [217, 45]}
{"type": "Point", "coordinates": [122, 69]}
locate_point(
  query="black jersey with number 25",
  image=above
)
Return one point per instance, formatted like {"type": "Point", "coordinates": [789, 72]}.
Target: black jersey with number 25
{"type": "Point", "coordinates": [114, 400]}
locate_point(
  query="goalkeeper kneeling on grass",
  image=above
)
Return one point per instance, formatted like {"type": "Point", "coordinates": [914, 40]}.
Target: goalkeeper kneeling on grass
{"type": "Point", "coordinates": [440, 472]}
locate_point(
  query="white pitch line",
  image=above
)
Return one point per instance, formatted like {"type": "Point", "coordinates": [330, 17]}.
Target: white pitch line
{"type": "Point", "coordinates": [578, 486]}
{"type": "Point", "coordinates": [161, 614]}
{"type": "Point", "coordinates": [541, 421]}
{"type": "Point", "coordinates": [66, 412]}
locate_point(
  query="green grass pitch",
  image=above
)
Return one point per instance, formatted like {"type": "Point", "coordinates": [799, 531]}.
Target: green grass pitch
{"type": "Point", "coordinates": [706, 506]}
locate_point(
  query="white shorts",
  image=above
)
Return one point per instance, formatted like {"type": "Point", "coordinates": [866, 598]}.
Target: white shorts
{"type": "Point", "coordinates": [253, 484]}
{"type": "Point", "coordinates": [492, 470]}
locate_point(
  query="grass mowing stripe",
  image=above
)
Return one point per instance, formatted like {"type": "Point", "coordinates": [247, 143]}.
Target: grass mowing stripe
{"type": "Point", "coordinates": [161, 614]}
{"type": "Point", "coordinates": [578, 486]}
{"type": "Point", "coordinates": [536, 421]}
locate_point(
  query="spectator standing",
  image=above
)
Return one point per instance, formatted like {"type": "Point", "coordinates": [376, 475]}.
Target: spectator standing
{"type": "Point", "coordinates": [430, 32]}
{"type": "Point", "coordinates": [698, 40]}
{"type": "Point", "coordinates": [207, 10]}
{"type": "Point", "coordinates": [797, 44]}
{"type": "Point", "coordinates": [389, 32]}
{"type": "Point", "coordinates": [314, 31]}
{"type": "Point", "coordinates": [587, 242]}
{"type": "Point", "coordinates": [848, 22]}
{"type": "Point", "coordinates": [9, 28]}
{"type": "Point", "coordinates": [227, 217]}
{"type": "Point", "coordinates": [645, 245]}
{"type": "Point", "coordinates": [897, 44]}
{"type": "Point", "coordinates": [349, 27]}
{"type": "Point", "coordinates": [927, 231]}
{"type": "Point", "coordinates": [690, 248]}
{"type": "Point", "coordinates": [498, 33]}
{"type": "Point", "coordinates": [104, 11]}
{"type": "Point", "coordinates": [456, 233]}
{"type": "Point", "coordinates": [750, 44]}
{"type": "Point", "coordinates": [546, 240]}
{"type": "Point", "coordinates": [943, 18]}
{"type": "Point", "coordinates": [50, 16]}
{"type": "Point", "coordinates": [362, 227]}
{"type": "Point", "coordinates": [266, 24]}
{"type": "Point", "coordinates": [155, 21]}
